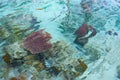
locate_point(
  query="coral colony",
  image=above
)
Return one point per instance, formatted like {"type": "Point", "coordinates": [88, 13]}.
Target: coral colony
{"type": "Point", "coordinates": [81, 33]}
{"type": "Point", "coordinates": [37, 42]}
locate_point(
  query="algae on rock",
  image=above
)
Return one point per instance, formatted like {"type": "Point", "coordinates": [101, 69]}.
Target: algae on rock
{"type": "Point", "coordinates": [15, 50]}
{"type": "Point", "coordinates": [61, 53]}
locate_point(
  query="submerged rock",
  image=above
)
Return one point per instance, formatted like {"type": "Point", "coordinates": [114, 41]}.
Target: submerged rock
{"type": "Point", "coordinates": [12, 62]}
{"type": "Point", "coordinates": [16, 62]}
{"type": "Point", "coordinates": [54, 70]}
{"type": "Point", "coordinates": [7, 58]}
{"type": "Point", "coordinates": [80, 68]}
{"type": "Point", "coordinates": [81, 41]}
{"type": "Point", "coordinates": [38, 65]}
{"type": "Point", "coordinates": [61, 53]}
{"type": "Point", "coordinates": [15, 50]}
{"type": "Point", "coordinates": [92, 52]}
{"type": "Point", "coordinates": [62, 56]}
{"type": "Point", "coordinates": [13, 78]}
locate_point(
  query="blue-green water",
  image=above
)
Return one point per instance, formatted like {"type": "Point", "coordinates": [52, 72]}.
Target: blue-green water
{"type": "Point", "coordinates": [59, 39]}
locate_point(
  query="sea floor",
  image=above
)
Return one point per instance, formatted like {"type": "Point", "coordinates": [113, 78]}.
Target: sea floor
{"type": "Point", "coordinates": [37, 40]}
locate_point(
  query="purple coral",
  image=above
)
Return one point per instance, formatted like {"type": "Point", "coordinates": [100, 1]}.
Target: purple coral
{"type": "Point", "coordinates": [82, 31]}
{"type": "Point", "coordinates": [37, 42]}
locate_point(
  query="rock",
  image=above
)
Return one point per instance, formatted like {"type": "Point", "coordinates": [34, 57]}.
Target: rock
{"type": "Point", "coordinates": [7, 58]}
{"type": "Point", "coordinates": [38, 65]}
{"type": "Point", "coordinates": [16, 62]}
{"type": "Point", "coordinates": [93, 53]}
{"type": "Point", "coordinates": [13, 78]}
{"type": "Point", "coordinates": [81, 41]}
{"type": "Point", "coordinates": [54, 70]}
{"type": "Point", "coordinates": [15, 50]}
{"type": "Point", "coordinates": [68, 75]}
{"type": "Point", "coordinates": [61, 53]}
{"type": "Point", "coordinates": [80, 68]}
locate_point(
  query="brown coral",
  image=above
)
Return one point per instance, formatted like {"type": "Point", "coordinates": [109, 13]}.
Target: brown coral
{"type": "Point", "coordinates": [7, 58]}
{"type": "Point", "coordinates": [20, 77]}
{"type": "Point", "coordinates": [37, 42]}
{"type": "Point", "coordinates": [13, 78]}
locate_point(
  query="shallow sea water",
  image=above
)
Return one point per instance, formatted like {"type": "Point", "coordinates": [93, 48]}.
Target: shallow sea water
{"type": "Point", "coordinates": [59, 39]}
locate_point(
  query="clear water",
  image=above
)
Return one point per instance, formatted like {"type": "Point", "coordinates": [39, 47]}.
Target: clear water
{"type": "Point", "coordinates": [60, 19]}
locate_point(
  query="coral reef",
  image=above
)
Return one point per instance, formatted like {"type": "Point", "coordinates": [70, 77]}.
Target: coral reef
{"type": "Point", "coordinates": [60, 52]}
{"type": "Point", "coordinates": [37, 42]}
{"type": "Point", "coordinates": [61, 56]}
{"type": "Point", "coordinates": [16, 27]}
{"type": "Point", "coordinates": [56, 61]}
{"type": "Point", "coordinates": [12, 62]}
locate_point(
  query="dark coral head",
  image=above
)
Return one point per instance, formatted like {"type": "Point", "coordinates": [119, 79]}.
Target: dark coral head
{"type": "Point", "coordinates": [82, 30]}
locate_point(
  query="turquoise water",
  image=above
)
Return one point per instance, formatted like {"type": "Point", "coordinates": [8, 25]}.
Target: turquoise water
{"type": "Point", "coordinates": [59, 39]}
